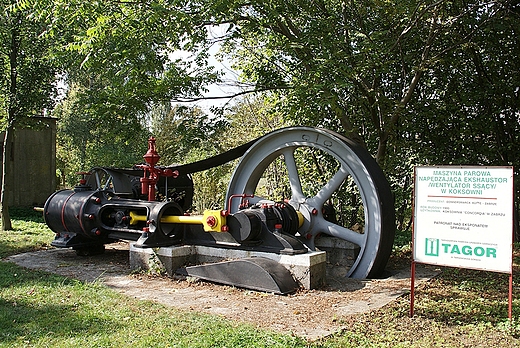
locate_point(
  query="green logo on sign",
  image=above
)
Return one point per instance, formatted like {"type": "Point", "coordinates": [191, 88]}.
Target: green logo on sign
{"type": "Point", "coordinates": [432, 247]}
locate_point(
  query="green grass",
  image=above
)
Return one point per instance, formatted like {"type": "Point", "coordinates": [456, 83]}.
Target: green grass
{"type": "Point", "coordinates": [29, 233]}
{"type": "Point", "coordinates": [44, 310]}
{"type": "Point", "coordinates": [459, 308]}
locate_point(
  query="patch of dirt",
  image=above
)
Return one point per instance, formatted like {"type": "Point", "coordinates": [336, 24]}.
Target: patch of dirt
{"type": "Point", "coordinates": [311, 314]}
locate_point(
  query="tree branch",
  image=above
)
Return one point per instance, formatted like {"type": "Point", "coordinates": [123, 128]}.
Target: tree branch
{"type": "Point", "coordinates": [229, 96]}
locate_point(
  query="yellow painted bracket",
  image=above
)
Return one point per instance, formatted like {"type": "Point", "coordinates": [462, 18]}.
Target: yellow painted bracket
{"type": "Point", "coordinates": [214, 220]}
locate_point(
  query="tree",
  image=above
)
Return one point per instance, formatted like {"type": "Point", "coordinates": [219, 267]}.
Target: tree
{"type": "Point", "coordinates": [385, 73]}
{"type": "Point", "coordinates": [134, 47]}
{"type": "Point", "coordinates": [379, 71]}
{"type": "Point", "coordinates": [358, 63]}
{"type": "Point", "coordinates": [179, 129]}
{"type": "Point", "coordinates": [100, 135]}
{"type": "Point", "coordinates": [29, 76]}
{"type": "Point", "coordinates": [120, 61]}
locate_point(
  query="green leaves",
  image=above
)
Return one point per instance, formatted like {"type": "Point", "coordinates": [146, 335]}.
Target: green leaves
{"type": "Point", "coordinates": [421, 80]}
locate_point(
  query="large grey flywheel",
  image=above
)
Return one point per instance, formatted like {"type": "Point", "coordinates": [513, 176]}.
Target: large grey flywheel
{"type": "Point", "coordinates": [335, 185]}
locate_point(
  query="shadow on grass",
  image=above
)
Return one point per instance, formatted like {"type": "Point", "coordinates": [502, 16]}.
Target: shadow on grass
{"type": "Point", "coordinates": [13, 247]}
{"type": "Point", "coordinates": [42, 309]}
{"type": "Point", "coordinates": [37, 305]}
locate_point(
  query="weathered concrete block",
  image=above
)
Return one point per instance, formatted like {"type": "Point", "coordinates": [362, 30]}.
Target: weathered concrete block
{"type": "Point", "coordinates": [160, 259]}
{"type": "Point", "coordinates": [341, 255]}
{"type": "Point", "coordinates": [308, 269]}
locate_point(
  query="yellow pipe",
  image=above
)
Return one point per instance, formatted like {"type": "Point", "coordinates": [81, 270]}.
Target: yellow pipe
{"type": "Point", "coordinates": [134, 218]}
{"type": "Point", "coordinates": [212, 220]}
{"type": "Point", "coordinates": [172, 219]}
{"type": "Point", "coordinates": [190, 219]}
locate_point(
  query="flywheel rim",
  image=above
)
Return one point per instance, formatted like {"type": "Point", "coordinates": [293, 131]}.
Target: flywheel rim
{"type": "Point", "coordinates": [376, 243]}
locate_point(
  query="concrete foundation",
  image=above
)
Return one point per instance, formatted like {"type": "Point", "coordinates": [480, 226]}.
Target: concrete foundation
{"type": "Point", "coordinates": [340, 255]}
{"type": "Point", "coordinates": [308, 269]}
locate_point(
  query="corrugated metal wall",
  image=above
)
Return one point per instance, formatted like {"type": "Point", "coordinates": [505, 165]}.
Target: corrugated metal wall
{"type": "Point", "coordinates": [32, 163]}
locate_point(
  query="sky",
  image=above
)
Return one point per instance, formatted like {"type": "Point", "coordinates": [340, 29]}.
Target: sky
{"type": "Point", "coordinates": [218, 90]}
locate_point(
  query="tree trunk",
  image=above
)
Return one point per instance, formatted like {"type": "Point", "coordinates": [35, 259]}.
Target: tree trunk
{"type": "Point", "coordinates": [4, 197]}
{"type": "Point", "coordinates": [11, 117]}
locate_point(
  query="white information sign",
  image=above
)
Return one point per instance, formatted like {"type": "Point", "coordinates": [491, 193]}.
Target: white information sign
{"type": "Point", "coordinates": [463, 217]}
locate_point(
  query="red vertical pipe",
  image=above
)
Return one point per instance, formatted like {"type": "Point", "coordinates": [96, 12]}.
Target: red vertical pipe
{"type": "Point", "coordinates": [412, 289]}
{"type": "Point", "coordinates": [151, 157]}
{"type": "Point", "coordinates": [510, 311]}
{"type": "Point", "coordinates": [412, 275]}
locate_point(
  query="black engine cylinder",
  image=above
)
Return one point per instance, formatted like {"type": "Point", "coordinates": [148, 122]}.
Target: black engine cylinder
{"type": "Point", "coordinates": [83, 217]}
{"type": "Point", "coordinates": [73, 211]}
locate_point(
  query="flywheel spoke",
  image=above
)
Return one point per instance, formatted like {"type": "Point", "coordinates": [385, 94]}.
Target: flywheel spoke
{"type": "Point", "coordinates": [329, 188]}
{"type": "Point", "coordinates": [340, 232]}
{"type": "Point", "coordinates": [294, 177]}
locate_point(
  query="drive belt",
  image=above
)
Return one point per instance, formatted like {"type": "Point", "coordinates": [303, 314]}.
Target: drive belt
{"type": "Point", "coordinates": [205, 164]}
{"type": "Point", "coordinates": [214, 161]}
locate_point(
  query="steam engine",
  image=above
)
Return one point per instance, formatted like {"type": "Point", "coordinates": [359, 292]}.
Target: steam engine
{"type": "Point", "coordinates": [108, 205]}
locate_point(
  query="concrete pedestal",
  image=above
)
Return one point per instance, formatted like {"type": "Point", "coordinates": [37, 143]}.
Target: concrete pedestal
{"type": "Point", "coordinates": [308, 269]}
